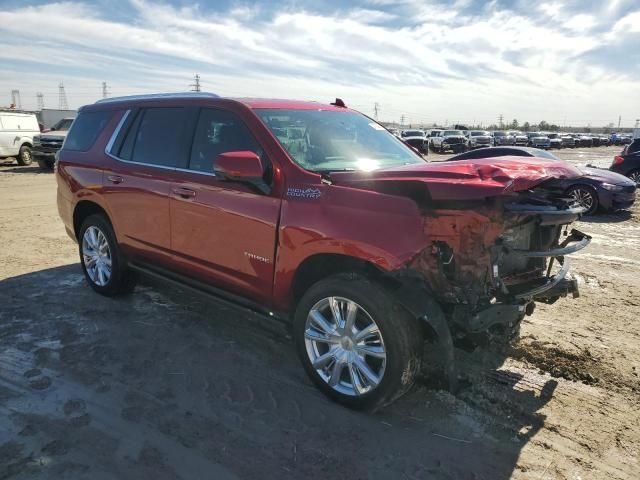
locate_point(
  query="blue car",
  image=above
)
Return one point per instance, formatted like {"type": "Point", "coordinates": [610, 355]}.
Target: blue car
{"type": "Point", "coordinates": [597, 188]}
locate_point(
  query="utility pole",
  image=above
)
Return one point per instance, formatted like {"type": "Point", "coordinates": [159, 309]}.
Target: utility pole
{"type": "Point", "coordinates": [15, 99]}
{"type": "Point", "coordinates": [105, 90]}
{"type": "Point", "coordinates": [402, 120]}
{"type": "Point", "coordinates": [619, 121]}
{"type": "Point", "coordinates": [62, 98]}
{"type": "Point", "coordinates": [196, 84]}
{"type": "Point", "coordinates": [40, 100]}
{"type": "Point", "coordinates": [501, 120]}
{"type": "Point", "coordinates": [376, 107]}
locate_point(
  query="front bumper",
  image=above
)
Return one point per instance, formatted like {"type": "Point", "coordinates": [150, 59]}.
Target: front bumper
{"type": "Point", "coordinates": [39, 151]}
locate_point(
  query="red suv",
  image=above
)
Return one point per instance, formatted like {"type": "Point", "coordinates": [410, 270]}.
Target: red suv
{"type": "Point", "coordinates": [317, 215]}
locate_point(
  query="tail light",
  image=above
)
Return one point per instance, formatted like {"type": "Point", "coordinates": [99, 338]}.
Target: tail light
{"type": "Point", "coordinates": [617, 160]}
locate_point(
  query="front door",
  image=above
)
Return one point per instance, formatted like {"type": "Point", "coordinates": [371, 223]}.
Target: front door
{"type": "Point", "coordinates": [223, 232]}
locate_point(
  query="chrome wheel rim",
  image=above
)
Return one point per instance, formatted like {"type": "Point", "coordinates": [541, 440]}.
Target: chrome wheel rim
{"type": "Point", "coordinates": [26, 156]}
{"type": "Point", "coordinates": [345, 346]}
{"type": "Point", "coordinates": [583, 197]}
{"type": "Point", "coordinates": [635, 176]}
{"type": "Point", "coordinates": [96, 256]}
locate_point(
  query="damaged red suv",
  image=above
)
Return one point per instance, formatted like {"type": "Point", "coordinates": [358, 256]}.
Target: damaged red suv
{"type": "Point", "coordinates": [317, 215]}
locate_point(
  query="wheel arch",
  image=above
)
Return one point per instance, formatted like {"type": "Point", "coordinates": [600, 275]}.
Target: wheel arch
{"type": "Point", "coordinates": [84, 209]}
{"type": "Point", "coordinates": [322, 265]}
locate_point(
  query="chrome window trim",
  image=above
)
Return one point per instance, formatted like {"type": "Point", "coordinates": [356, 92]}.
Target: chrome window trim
{"type": "Point", "coordinates": [115, 133]}
{"type": "Point", "coordinates": [210, 174]}
{"type": "Point", "coordinates": [112, 140]}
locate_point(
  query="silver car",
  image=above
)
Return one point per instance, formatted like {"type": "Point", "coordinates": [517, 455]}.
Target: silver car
{"type": "Point", "coordinates": [479, 138]}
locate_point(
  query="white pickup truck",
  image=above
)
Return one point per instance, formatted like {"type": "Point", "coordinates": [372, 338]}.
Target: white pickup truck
{"type": "Point", "coordinates": [16, 135]}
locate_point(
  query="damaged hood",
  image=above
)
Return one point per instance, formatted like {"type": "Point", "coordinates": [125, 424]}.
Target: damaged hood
{"type": "Point", "coordinates": [464, 179]}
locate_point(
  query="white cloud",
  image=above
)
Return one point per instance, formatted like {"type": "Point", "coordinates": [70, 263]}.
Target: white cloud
{"type": "Point", "coordinates": [440, 65]}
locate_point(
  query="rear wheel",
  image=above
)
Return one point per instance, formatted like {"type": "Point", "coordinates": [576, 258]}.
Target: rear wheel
{"type": "Point", "coordinates": [24, 156]}
{"type": "Point", "coordinates": [586, 197]}
{"type": "Point", "coordinates": [102, 262]}
{"type": "Point", "coordinates": [357, 346]}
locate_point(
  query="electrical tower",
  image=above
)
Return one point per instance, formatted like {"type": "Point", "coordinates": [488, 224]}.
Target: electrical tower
{"type": "Point", "coordinates": [619, 121]}
{"type": "Point", "coordinates": [501, 120]}
{"type": "Point", "coordinates": [40, 100]}
{"type": "Point", "coordinates": [196, 83]}
{"type": "Point", "coordinates": [376, 107]}
{"type": "Point", "coordinates": [62, 98]}
{"type": "Point", "coordinates": [105, 90]}
{"type": "Point", "coordinates": [15, 99]}
{"type": "Point", "coordinates": [402, 120]}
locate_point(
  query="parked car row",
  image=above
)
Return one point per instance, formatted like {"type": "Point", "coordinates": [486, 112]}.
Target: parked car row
{"type": "Point", "coordinates": [23, 138]}
{"type": "Point", "coordinates": [456, 140]}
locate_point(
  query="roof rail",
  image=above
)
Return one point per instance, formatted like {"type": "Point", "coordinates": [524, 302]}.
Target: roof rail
{"type": "Point", "coordinates": [152, 96]}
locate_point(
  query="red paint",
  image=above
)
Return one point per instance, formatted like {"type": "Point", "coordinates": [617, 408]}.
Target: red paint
{"type": "Point", "coordinates": [252, 243]}
{"type": "Point", "coordinates": [468, 179]}
{"type": "Point", "coordinates": [238, 165]}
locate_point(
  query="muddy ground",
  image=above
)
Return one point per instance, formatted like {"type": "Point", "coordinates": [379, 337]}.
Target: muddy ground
{"type": "Point", "coordinates": [164, 384]}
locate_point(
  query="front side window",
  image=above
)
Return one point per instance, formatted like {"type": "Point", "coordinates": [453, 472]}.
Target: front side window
{"type": "Point", "coordinates": [219, 131]}
{"type": "Point", "coordinates": [85, 130]}
{"type": "Point", "coordinates": [329, 140]}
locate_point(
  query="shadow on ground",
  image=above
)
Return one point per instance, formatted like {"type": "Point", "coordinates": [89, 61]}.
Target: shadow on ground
{"type": "Point", "coordinates": [610, 217]}
{"type": "Point", "coordinates": [164, 384]}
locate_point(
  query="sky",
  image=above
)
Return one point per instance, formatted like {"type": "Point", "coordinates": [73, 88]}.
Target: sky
{"type": "Point", "coordinates": [574, 62]}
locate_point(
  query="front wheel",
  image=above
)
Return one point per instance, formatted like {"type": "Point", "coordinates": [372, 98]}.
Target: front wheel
{"type": "Point", "coordinates": [102, 263]}
{"type": "Point", "coordinates": [24, 156]}
{"type": "Point", "coordinates": [357, 346]}
{"type": "Point", "coordinates": [586, 197]}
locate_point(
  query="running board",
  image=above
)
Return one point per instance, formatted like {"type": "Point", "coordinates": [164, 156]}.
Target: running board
{"type": "Point", "coordinates": [196, 286]}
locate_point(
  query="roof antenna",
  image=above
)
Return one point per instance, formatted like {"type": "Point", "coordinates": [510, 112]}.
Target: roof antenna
{"type": "Point", "coordinates": [339, 103]}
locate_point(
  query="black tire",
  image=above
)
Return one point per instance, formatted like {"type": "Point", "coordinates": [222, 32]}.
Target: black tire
{"type": "Point", "coordinates": [122, 280]}
{"type": "Point", "coordinates": [578, 191]}
{"type": "Point", "coordinates": [24, 156]}
{"type": "Point", "coordinates": [45, 164]}
{"type": "Point", "coordinates": [400, 333]}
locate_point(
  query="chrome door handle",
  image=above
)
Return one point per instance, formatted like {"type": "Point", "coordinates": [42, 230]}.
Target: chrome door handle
{"type": "Point", "coordinates": [115, 179]}
{"type": "Point", "coordinates": [184, 192]}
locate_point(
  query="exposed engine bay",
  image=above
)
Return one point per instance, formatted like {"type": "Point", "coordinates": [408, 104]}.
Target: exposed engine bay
{"type": "Point", "coordinates": [488, 265]}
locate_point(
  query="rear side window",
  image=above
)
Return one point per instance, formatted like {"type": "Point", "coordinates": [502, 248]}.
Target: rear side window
{"type": "Point", "coordinates": [156, 137]}
{"type": "Point", "coordinates": [634, 147]}
{"type": "Point", "coordinates": [85, 130]}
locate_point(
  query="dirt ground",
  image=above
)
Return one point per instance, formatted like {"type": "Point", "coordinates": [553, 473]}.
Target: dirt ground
{"type": "Point", "coordinates": [165, 385]}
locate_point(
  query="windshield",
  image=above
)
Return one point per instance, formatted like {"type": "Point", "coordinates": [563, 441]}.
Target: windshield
{"type": "Point", "coordinates": [64, 124]}
{"type": "Point", "coordinates": [499, 134]}
{"type": "Point", "coordinates": [478, 134]}
{"type": "Point", "coordinates": [452, 132]}
{"type": "Point", "coordinates": [326, 140]}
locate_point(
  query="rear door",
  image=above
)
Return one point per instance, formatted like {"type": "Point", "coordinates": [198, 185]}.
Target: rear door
{"type": "Point", "coordinates": [139, 176]}
{"type": "Point", "coordinates": [224, 232]}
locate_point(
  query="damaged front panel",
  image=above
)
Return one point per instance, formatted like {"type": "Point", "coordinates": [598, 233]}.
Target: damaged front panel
{"type": "Point", "coordinates": [488, 265]}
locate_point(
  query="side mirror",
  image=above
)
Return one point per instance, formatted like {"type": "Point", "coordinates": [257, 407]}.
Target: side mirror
{"type": "Point", "coordinates": [243, 167]}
